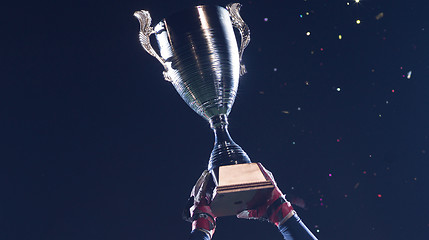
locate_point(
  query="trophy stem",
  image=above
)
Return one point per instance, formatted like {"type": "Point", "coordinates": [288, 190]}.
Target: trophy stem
{"type": "Point", "coordinates": [225, 151]}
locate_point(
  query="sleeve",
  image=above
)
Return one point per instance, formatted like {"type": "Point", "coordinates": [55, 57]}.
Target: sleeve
{"type": "Point", "coordinates": [199, 235]}
{"type": "Point", "coordinates": [295, 229]}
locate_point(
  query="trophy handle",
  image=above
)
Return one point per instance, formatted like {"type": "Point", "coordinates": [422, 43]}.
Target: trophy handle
{"type": "Point", "coordinates": [237, 22]}
{"type": "Point", "coordinates": [145, 31]}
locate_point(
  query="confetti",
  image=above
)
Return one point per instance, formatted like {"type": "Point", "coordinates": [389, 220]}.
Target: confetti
{"type": "Point", "coordinates": [409, 74]}
{"type": "Point", "coordinates": [340, 37]}
{"type": "Point", "coordinates": [356, 185]}
{"type": "Point", "coordinates": [379, 16]}
{"type": "Point", "coordinates": [265, 19]}
{"type": "Point", "coordinates": [358, 21]}
{"type": "Point", "coordinates": [308, 33]}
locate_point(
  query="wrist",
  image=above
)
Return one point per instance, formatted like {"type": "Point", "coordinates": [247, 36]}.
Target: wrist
{"type": "Point", "coordinates": [280, 211]}
{"type": "Point", "coordinates": [204, 222]}
{"type": "Point", "coordinates": [288, 216]}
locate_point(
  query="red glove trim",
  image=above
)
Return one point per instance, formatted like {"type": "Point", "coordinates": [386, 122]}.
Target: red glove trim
{"type": "Point", "coordinates": [281, 212]}
{"type": "Point", "coordinates": [204, 222]}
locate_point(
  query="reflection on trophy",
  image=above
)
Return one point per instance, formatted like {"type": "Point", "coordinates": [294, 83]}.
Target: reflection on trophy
{"type": "Point", "coordinates": [199, 53]}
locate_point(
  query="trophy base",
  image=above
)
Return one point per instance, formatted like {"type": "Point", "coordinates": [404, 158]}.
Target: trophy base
{"type": "Point", "coordinates": [239, 187]}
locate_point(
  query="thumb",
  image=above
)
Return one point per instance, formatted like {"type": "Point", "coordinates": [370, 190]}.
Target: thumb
{"type": "Point", "coordinates": [248, 214]}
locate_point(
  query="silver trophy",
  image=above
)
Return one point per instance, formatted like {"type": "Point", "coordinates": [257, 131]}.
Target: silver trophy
{"type": "Point", "coordinates": [200, 56]}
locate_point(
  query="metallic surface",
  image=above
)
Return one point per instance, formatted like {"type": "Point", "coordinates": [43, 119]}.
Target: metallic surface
{"type": "Point", "coordinates": [199, 52]}
{"type": "Point", "coordinates": [237, 22]}
{"type": "Point", "coordinates": [225, 151]}
{"type": "Point", "coordinates": [201, 46]}
{"type": "Point", "coordinates": [144, 36]}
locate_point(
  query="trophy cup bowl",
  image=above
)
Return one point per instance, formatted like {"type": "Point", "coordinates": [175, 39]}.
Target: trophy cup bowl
{"type": "Point", "coordinates": [200, 56]}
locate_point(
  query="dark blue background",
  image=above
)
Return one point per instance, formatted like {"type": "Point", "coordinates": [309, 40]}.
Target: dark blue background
{"type": "Point", "coordinates": [96, 145]}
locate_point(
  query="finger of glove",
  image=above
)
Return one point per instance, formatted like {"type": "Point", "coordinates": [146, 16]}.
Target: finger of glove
{"type": "Point", "coordinates": [198, 184]}
{"type": "Point", "coordinates": [269, 174]}
{"type": "Point", "coordinates": [200, 187]}
{"type": "Point", "coordinates": [248, 214]}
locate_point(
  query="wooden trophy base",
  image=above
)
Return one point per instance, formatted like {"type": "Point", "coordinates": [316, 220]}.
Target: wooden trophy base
{"type": "Point", "coordinates": [239, 187]}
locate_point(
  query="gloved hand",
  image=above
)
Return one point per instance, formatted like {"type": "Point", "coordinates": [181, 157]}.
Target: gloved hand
{"type": "Point", "coordinates": [198, 210]}
{"type": "Point", "coordinates": [276, 209]}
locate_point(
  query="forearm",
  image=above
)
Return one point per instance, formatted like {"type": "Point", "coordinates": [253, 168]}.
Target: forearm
{"type": "Point", "coordinates": [295, 229]}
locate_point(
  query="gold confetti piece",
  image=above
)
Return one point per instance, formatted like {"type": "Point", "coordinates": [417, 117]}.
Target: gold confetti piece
{"type": "Point", "coordinates": [379, 16]}
{"type": "Point", "coordinates": [358, 21]}
{"type": "Point", "coordinates": [285, 112]}
{"type": "Point", "coordinates": [356, 185]}
{"type": "Point", "coordinates": [340, 37]}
